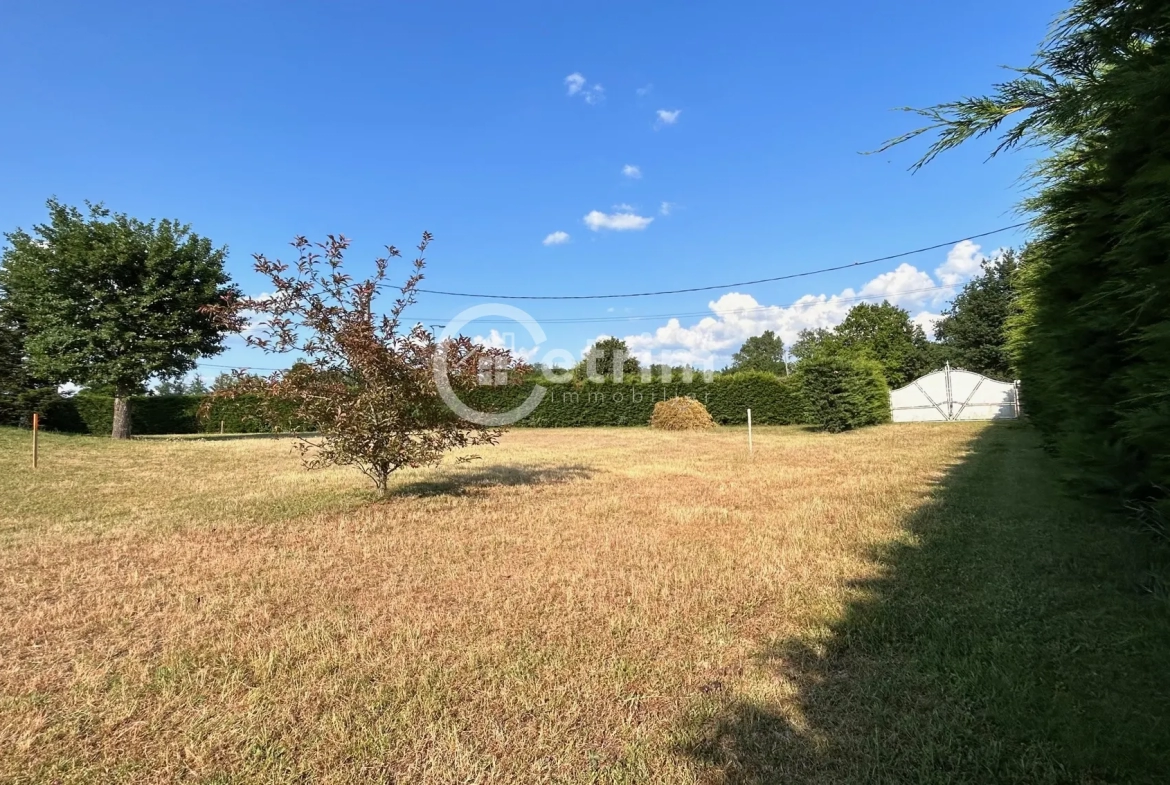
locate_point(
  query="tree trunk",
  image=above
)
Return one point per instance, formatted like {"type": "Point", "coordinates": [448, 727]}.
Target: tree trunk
{"type": "Point", "coordinates": [121, 417]}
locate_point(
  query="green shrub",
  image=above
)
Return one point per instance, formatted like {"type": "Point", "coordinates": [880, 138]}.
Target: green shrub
{"type": "Point", "coordinates": [842, 393]}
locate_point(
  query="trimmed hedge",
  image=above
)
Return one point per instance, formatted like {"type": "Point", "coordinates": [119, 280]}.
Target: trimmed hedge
{"type": "Point", "coordinates": [773, 400]}
{"type": "Point", "coordinates": [834, 395]}
{"type": "Point", "coordinates": [843, 393]}
{"type": "Point", "coordinates": [245, 414]}
{"type": "Point", "coordinates": [57, 412]}
{"type": "Point", "coordinates": [149, 414]}
{"type": "Point", "coordinates": [94, 414]}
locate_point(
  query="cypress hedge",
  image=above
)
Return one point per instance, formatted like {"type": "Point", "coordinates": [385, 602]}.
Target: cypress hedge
{"type": "Point", "coordinates": [57, 412]}
{"type": "Point", "coordinates": [843, 393]}
{"type": "Point", "coordinates": [149, 414]}
{"type": "Point", "coordinates": [248, 414]}
{"type": "Point", "coordinates": [773, 400]}
{"type": "Point", "coordinates": [846, 394]}
{"type": "Point", "coordinates": [1091, 338]}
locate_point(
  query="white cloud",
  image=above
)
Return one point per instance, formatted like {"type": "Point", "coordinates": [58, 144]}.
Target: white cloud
{"type": "Point", "coordinates": [631, 171]}
{"type": "Point", "coordinates": [253, 319]}
{"type": "Point", "coordinates": [619, 221]}
{"type": "Point", "coordinates": [736, 316]}
{"type": "Point", "coordinates": [902, 286]}
{"type": "Point", "coordinates": [963, 261]}
{"type": "Point", "coordinates": [644, 91]}
{"type": "Point", "coordinates": [575, 85]}
{"type": "Point", "coordinates": [666, 207]}
{"type": "Point", "coordinates": [574, 82]}
{"type": "Point", "coordinates": [668, 117]}
{"type": "Point", "coordinates": [624, 208]}
{"type": "Point", "coordinates": [556, 238]}
{"type": "Point", "coordinates": [497, 340]}
{"type": "Point", "coordinates": [927, 321]}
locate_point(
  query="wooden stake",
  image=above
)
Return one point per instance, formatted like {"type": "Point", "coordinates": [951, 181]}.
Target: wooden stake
{"type": "Point", "coordinates": [36, 427]}
{"type": "Point", "coordinates": [221, 427]}
{"type": "Point", "coordinates": [750, 449]}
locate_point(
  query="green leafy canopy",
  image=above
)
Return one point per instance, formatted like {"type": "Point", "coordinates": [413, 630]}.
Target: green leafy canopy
{"type": "Point", "coordinates": [761, 353]}
{"type": "Point", "coordinates": [111, 301]}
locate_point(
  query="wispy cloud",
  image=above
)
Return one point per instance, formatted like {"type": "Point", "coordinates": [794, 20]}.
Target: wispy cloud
{"type": "Point", "coordinates": [556, 238]}
{"type": "Point", "coordinates": [632, 172]}
{"type": "Point", "coordinates": [667, 117]}
{"type": "Point", "coordinates": [575, 85]}
{"type": "Point", "coordinates": [666, 207]}
{"type": "Point", "coordinates": [644, 91]}
{"type": "Point", "coordinates": [253, 319]}
{"type": "Point", "coordinates": [574, 82]}
{"type": "Point", "coordinates": [627, 221]}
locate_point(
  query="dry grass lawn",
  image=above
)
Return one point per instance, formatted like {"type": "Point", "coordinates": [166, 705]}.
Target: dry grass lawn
{"type": "Point", "coordinates": [563, 610]}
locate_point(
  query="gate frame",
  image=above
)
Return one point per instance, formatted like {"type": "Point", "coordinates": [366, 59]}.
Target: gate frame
{"type": "Point", "coordinates": [950, 414]}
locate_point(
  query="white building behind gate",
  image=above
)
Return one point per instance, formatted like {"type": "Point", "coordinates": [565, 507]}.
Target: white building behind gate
{"type": "Point", "coordinates": [951, 394]}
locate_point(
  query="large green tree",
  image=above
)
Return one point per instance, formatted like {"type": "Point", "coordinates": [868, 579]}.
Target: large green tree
{"type": "Point", "coordinates": [605, 357]}
{"type": "Point", "coordinates": [1091, 338]}
{"type": "Point", "coordinates": [111, 301]}
{"type": "Point", "coordinates": [973, 330]}
{"type": "Point", "coordinates": [13, 373]}
{"type": "Point", "coordinates": [761, 353]}
{"type": "Point", "coordinates": [810, 342]}
{"type": "Point", "coordinates": [884, 333]}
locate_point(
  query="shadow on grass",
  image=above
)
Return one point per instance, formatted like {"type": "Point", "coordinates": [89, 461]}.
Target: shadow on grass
{"type": "Point", "coordinates": [1012, 642]}
{"type": "Point", "coordinates": [470, 478]}
{"type": "Point", "coordinates": [221, 437]}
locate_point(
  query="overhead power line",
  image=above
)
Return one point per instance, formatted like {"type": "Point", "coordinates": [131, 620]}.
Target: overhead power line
{"type": "Point", "coordinates": [736, 311]}
{"type": "Point", "coordinates": [724, 285]}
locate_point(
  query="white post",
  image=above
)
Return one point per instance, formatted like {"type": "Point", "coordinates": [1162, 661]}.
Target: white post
{"type": "Point", "coordinates": [750, 450]}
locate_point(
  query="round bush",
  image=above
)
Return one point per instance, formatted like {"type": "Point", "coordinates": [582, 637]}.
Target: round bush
{"type": "Point", "coordinates": [681, 414]}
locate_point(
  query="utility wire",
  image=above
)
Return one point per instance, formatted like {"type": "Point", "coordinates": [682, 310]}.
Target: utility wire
{"type": "Point", "coordinates": [736, 311]}
{"type": "Point", "coordinates": [585, 320]}
{"type": "Point", "coordinates": [721, 286]}
{"type": "Point", "coordinates": [595, 320]}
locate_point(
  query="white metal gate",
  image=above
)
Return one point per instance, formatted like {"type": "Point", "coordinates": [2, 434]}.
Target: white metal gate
{"type": "Point", "coordinates": [951, 394]}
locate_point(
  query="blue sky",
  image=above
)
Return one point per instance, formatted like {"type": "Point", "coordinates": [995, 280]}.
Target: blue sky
{"type": "Point", "coordinates": [257, 121]}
